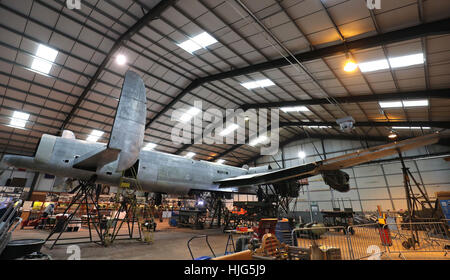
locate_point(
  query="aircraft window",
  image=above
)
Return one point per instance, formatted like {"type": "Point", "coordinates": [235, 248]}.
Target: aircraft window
{"type": "Point", "coordinates": [109, 173]}
{"type": "Point", "coordinates": [76, 156]}
{"type": "Point", "coordinates": [222, 172]}
{"type": "Point", "coordinates": [66, 160]}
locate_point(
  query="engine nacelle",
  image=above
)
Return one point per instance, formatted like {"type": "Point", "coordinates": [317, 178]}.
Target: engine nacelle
{"type": "Point", "coordinates": [337, 179]}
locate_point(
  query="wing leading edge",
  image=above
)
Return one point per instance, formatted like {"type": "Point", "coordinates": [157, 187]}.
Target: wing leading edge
{"type": "Point", "coordinates": [336, 163]}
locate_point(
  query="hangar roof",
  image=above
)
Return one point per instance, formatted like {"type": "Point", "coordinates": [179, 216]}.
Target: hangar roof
{"type": "Point", "coordinates": [300, 45]}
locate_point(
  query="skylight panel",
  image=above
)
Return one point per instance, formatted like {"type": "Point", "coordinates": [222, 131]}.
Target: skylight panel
{"type": "Point", "coordinates": [295, 109]}
{"type": "Point", "coordinates": [415, 103]}
{"type": "Point", "coordinates": [190, 155]}
{"type": "Point", "coordinates": [149, 146]}
{"type": "Point", "coordinates": [259, 140]}
{"type": "Point", "coordinates": [373, 65]}
{"type": "Point", "coordinates": [19, 119]}
{"type": "Point", "coordinates": [406, 60]}
{"type": "Point", "coordinates": [258, 84]}
{"type": "Point", "coordinates": [189, 114]}
{"type": "Point", "coordinates": [411, 127]}
{"type": "Point", "coordinates": [391, 104]}
{"type": "Point", "coordinates": [229, 129]}
{"type": "Point", "coordinates": [202, 40]}
{"type": "Point", "coordinates": [94, 136]}
{"type": "Point", "coordinates": [220, 161]}
{"type": "Point", "coordinates": [45, 56]}
{"type": "Point", "coordinates": [301, 154]}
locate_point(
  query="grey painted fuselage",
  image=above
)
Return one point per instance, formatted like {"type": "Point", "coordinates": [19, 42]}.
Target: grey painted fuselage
{"type": "Point", "coordinates": [157, 172]}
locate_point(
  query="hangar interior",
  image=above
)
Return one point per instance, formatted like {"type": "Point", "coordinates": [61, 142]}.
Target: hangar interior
{"type": "Point", "coordinates": [63, 66]}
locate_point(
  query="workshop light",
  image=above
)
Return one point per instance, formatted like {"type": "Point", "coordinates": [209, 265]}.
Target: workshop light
{"type": "Point", "coordinates": [195, 43]}
{"type": "Point", "coordinates": [220, 161]}
{"type": "Point", "coordinates": [390, 104]}
{"type": "Point", "coordinates": [260, 139]}
{"type": "Point", "coordinates": [350, 66]}
{"type": "Point", "coordinates": [19, 119]}
{"type": "Point", "coordinates": [190, 155]}
{"type": "Point", "coordinates": [301, 154]}
{"type": "Point", "coordinates": [295, 109]}
{"type": "Point", "coordinates": [189, 114]}
{"type": "Point", "coordinates": [94, 136]}
{"type": "Point", "coordinates": [121, 59]}
{"type": "Point", "coordinates": [43, 62]}
{"type": "Point", "coordinates": [149, 146]}
{"type": "Point", "coordinates": [258, 84]}
{"type": "Point", "coordinates": [317, 126]}
{"type": "Point", "coordinates": [229, 129]}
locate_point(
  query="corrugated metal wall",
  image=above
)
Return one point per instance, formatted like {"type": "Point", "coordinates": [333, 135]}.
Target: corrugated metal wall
{"type": "Point", "coordinates": [372, 184]}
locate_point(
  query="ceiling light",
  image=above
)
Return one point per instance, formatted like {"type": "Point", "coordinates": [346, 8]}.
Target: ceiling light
{"type": "Point", "coordinates": [390, 104]}
{"type": "Point", "coordinates": [189, 114]}
{"type": "Point", "coordinates": [229, 129]}
{"type": "Point", "coordinates": [258, 84]}
{"type": "Point", "coordinates": [94, 136]}
{"type": "Point", "coordinates": [295, 109]}
{"type": "Point", "coordinates": [121, 59]}
{"type": "Point", "coordinates": [411, 127]}
{"type": "Point", "coordinates": [415, 103]}
{"type": "Point", "coordinates": [19, 119]}
{"type": "Point", "coordinates": [149, 146]}
{"type": "Point", "coordinates": [406, 60]}
{"type": "Point", "coordinates": [318, 126]}
{"type": "Point", "coordinates": [190, 155]}
{"type": "Point", "coordinates": [350, 66]}
{"type": "Point", "coordinates": [200, 41]}
{"type": "Point", "coordinates": [301, 154]}
{"type": "Point", "coordinates": [256, 141]}
{"type": "Point", "coordinates": [220, 161]}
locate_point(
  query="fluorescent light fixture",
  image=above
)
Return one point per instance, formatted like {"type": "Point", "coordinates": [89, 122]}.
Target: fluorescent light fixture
{"type": "Point", "coordinates": [193, 44]}
{"type": "Point", "coordinates": [149, 146]}
{"type": "Point", "coordinates": [411, 127]}
{"type": "Point", "coordinates": [189, 114]}
{"type": "Point", "coordinates": [41, 65]}
{"type": "Point", "coordinates": [190, 155]}
{"type": "Point", "coordinates": [396, 62]}
{"type": "Point", "coordinates": [46, 53]}
{"type": "Point", "coordinates": [392, 135]}
{"type": "Point", "coordinates": [19, 119]}
{"type": "Point", "coordinates": [390, 104]}
{"type": "Point", "coordinates": [220, 161]}
{"type": "Point", "coordinates": [258, 84]}
{"type": "Point", "coordinates": [256, 141]}
{"type": "Point", "coordinates": [406, 60]}
{"type": "Point", "coordinates": [45, 56]}
{"type": "Point", "coordinates": [301, 154]}
{"type": "Point", "coordinates": [94, 136]}
{"type": "Point", "coordinates": [229, 129]}
{"type": "Point", "coordinates": [405, 103]}
{"type": "Point", "coordinates": [121, 59]}
{"type": "Point", "coordinates": [295, 109]}
{"type": "Point", "coordinates": [415, 103]}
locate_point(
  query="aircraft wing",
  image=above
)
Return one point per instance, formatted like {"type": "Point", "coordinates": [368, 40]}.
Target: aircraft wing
{"type": "Point", "coordinates": [336, 163]}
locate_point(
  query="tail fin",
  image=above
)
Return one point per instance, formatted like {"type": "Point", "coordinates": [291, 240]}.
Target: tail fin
{"type": "Point", "coordinates": [127, 134]}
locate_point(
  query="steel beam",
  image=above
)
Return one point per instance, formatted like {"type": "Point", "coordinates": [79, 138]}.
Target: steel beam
{"type": "Point", "coordinates": [438, 124]}
{"type": "Point", "coordinates": [436, 93]}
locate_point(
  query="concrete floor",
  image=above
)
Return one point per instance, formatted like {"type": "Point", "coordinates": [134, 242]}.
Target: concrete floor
{"type": "Point", "coordinates": [171, 244]}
